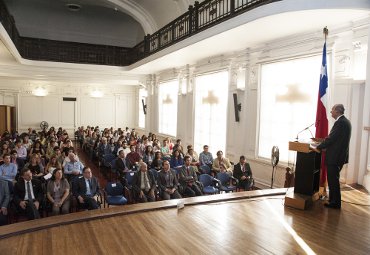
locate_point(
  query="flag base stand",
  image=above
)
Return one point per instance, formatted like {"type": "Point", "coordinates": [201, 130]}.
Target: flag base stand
{"type": "Point", "coordinates": [300, 201]}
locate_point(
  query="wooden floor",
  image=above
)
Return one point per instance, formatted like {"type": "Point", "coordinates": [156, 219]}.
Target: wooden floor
{"type": "Point", "coordinates": [238, 223]}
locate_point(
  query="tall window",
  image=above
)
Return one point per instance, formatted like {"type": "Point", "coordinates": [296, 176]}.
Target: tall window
{"type": "Point", "coordinates": [289, 92]}
{"type": "Point", "coordinates": [142, 101]}
{"type": "Point", "coordinates": [167, 105]}
{"type": "Point", "coordinates": [211, 97]}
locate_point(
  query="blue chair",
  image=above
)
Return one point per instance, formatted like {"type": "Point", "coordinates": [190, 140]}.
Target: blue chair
{"type": "Point", "coordinates": [129, 176]}
{"type": "Point", "coordinates": [226, 182]}
{"type": "Point", "coordinates": [113, 169]}
{"type": "Point", "coordinates": [209, 184]}
{"type": "Point", "coordinates": [114, 194]}
{"type": "Point", "coordinates": [205, 169]}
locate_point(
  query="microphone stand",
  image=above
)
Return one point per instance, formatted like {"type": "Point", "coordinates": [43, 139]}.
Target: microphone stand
{"type": "Point", "coordinates": [304, 130]}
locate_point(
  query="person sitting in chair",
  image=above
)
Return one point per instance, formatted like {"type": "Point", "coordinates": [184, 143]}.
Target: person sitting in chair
{"type": "Point", "coordinates": [167, 181]}
{"type": "Point", "coordinates": [4, 201]}
{"type": "Point", "coordinates": [143, 184]}
{"type": "Point", "coordinates": [188, 178]}
{"type": "Point", "coordinates": [221, 164]}
{"type": "Point", "coordinates": [87, 190]}
{"type": "Point", "coordinates": [243, 172]}
{"type": "Point", "coordinates": [28, 195]}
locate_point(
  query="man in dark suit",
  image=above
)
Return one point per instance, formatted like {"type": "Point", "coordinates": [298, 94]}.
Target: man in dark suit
{"type": "Point", "coordinates": [242, 172]}
{"type": "Point", "coordinates": [4, 201]}
{"type": "Point", "coordinates": [120, 163]}
{"type": "Point", "coordinates": [28, 194]}
{"type": "Point", "coordinates": [143, 184]}
{"type": "Point", "coordinates": [188, 179]}
{"type": "Point", "coordinates": [167, 182]}
{"type": "Point", "coordinates": [86, 189]}
{"type": "Point", "coordinates": [337, 148]}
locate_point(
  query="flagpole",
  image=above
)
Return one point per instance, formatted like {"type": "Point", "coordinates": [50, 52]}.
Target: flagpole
{"type": "Point", "coordinates": [325, 31]}
{"type": "Point", "coordinates": [321, 117]}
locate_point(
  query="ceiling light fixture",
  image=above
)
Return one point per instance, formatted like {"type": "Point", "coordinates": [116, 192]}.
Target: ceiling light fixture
{"type": "Point", "coordinates": [97, 93]}
{"type": "Point", "coordinates": [73, 7]}
{"type": "Point", "coordinates": [40, 92]}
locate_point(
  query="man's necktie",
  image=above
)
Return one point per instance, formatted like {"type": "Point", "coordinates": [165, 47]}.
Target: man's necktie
{"type": "Point", "coordinates": [29, 194]}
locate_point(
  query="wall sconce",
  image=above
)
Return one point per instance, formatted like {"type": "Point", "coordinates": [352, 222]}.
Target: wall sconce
{"type": "Point", "coordinates": [40, 92]}
{"type": "Point", "coordinates": [167, 100]}
{"type": "Point", "coordinates": [96, 93]}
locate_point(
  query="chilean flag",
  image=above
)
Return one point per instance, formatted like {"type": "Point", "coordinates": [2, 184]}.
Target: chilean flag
{"type": "Point", "coordinates": [321, 119]}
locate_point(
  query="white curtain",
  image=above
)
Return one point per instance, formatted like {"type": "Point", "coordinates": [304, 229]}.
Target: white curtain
{"type": "Point", "coordinates": [211, 97]}
{"type": "Point", "coordinates": [288, 100]}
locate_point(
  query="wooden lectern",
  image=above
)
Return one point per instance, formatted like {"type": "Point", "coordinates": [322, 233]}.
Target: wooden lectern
{"type": "Point", "coordinates": [307, 176]}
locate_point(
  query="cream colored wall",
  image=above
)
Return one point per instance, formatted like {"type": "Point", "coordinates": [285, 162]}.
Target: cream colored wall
{"type": "Point", "coordinates": [116, 109]}
{"type": "Point", "coordinates": [346, 60]}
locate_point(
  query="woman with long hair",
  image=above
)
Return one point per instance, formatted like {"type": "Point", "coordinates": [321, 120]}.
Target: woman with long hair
{"type": "Point", "coordinates": [58, 193]}
{"type": "Point", "coordinates": [52, 165]}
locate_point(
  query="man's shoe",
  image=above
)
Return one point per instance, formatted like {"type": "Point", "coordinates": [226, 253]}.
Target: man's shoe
{"type": "Point", "coordinates": [334, 206]}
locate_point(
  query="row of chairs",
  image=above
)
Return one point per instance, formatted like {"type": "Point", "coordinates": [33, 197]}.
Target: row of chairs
{"type": "Point", "coordinates": [117, 193]}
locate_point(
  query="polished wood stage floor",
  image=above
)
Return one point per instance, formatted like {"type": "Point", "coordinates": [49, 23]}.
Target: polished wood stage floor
{"type": "Point", "coordinates": [255, 222]}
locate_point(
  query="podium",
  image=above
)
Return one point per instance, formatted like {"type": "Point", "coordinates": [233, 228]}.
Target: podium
{"type": "Point", "coordinates": [307, 176]}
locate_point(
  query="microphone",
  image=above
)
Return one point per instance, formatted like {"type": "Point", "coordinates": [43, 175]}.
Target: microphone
{"type": "Point", "coordinates": [305, 130]}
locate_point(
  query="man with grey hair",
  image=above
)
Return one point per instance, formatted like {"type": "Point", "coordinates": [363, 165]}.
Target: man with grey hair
{"type": "Point", "coordinates": [337, 148]}
{"type": "Point", "coordinates": [73, 168]}
{"type": "Point", "coordinates": [143, 184]}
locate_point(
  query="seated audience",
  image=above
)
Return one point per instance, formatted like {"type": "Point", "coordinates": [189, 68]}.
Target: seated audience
{"type": "Point", "coordinates": [205, 157]}
{"type": "Point", "coordinates": [176, 160]}
{"type": "Point", "coordinates": [27, 143]}
{"type": "Point", "coordinates": [8, 170]}
{"type": "Point", "coordinates": [104, 148]}
{"type": "Point", "coordinates": [73, 168]}
{"type": "Point", "coordinates": [4, 202]}
{"type": "Point", "coordinates": [144, 185]}
{"type": "Point", "coordinates": [66, 158]}
{"type": "Point", "coordinates": [132, 158]}
{"type": "Point", "coordinates": [50, 149]}
{"type": "Point", "coordinates": [193, 156]}
{"type": "Point", "coordinates": [168, 183]}
{"type": "Point", "coordinates": [52, 165]}
{"type": "Point", "coordinates": [37, 169]}
{"type": "Point", "coordinates": [5, 149]}
{"type": "Point", "coordinates": [57, 192]}
{"type": "Point", "coordinates": [21, 150]}
{"type": "Point", "coordinates": [165, 149]}
{"type": "Point", "coordinates": [179, 147]}
{"type": "Point", "coordinates": [243, 172]}
{"type": "Point", "coordinates": [157, 161]}
{"type": "Point", "coordinates": [87, 189]}
{"type": "Point", "coordinates": [15, 160]}
{"type": "Point", "coordinates": [188, 178]}
{"type": "Point", "coordinates": [121, 163]}
{"type": "Point", "coordinates": [221, 164]}
{"type": "Point", "coordinates": [148, 155]}
{"type": "Point", "coordinates": [60, 156]}
{"type": "Point", "coordinates": [140, 148]}
{"type": "Point", "coordinates": [37, 148]}
{"type": "Point", "coordinates": [28, 195]}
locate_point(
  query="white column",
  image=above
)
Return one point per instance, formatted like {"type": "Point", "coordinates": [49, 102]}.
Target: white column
{"type": "Point", "coordinates": [364, 169]}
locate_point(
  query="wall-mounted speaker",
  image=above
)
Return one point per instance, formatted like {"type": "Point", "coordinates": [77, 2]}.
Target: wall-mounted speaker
{"type": "Point", "coordinates": [144, 106]}
{"type": "Point", "coordinates": [237, 107]}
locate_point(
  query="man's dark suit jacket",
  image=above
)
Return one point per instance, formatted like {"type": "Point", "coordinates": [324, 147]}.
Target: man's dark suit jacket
{"type": "Point", "coordinates": [136, 181]}
{"type": "Point", "coordinates": [337, 142]}
{"type": "Point", "coordinates": [238, 173]}
{"type": "Point", "coordinates": [79, 187]}
{"type": "Point", "coordinates": [120, 164]}
{"type": "Point", "coordinates": [20, 191]}
{"type": "Point", "coordinates": [162, 180]}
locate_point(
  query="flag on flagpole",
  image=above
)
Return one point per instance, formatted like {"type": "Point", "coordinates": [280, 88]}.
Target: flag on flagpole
{"type": "Point", "coordinates": [321, 122]}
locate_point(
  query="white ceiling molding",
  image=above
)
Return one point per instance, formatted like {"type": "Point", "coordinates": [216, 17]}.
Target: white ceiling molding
{"type": "Point", "coordinates": [138, 13]}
